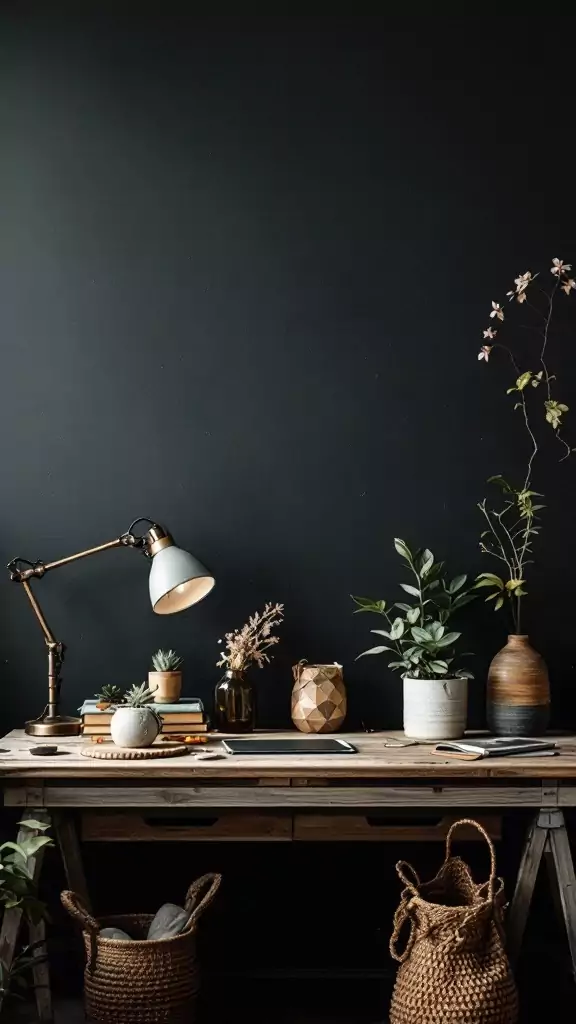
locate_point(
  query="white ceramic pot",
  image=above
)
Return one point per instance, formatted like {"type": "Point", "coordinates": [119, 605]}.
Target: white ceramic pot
{"type": "Point", "coordinates": [435, 709]}
{"type": "Point", "coordinates": [134, 727]}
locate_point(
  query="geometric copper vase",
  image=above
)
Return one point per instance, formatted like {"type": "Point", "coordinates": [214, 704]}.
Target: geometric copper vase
{"type": "Point", "coordinates": [318, 697]}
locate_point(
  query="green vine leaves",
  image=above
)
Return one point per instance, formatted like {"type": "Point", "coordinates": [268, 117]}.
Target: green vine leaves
{"type": "Point", "coordinates": [419, 642]}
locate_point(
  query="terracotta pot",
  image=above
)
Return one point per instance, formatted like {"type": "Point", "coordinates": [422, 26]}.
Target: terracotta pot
{"type": "Point", "coordinates": [166, 686]}
{"type": "Point", "coordinates": [318, 697]}
{"type": "Point", "coordinates": [518, 690]}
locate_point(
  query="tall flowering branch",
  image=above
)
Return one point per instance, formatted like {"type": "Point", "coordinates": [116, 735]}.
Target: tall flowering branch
{"type": "Point", "coordinates": [512, 526]}
{"type": "Point", "coordinates": [252, 642]}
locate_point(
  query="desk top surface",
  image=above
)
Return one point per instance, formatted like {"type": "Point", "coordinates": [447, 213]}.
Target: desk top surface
{"type": "Point", "coordinates": [377, 758]}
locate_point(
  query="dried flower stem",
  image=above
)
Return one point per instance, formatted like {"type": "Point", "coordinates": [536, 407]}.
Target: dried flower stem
{"type": "Point", "coordinates": [252, 642]}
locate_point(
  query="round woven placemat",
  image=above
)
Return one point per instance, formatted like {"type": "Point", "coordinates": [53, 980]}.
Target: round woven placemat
{"type": "Point", "coordinates": [108, 752]}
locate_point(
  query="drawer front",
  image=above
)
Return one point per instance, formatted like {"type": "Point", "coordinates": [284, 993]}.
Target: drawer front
{"type": "Point", "coordinates": [234, 827]}
{"type": "Point", "coordinates": [381, 829]}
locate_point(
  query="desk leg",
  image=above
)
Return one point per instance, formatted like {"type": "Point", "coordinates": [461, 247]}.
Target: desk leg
{"type": "Point", "coordinates": [71, 856]}
{"type": "Point", "coordinates": [525, 883]}
{"type": "Point", "coordinates": [11, 929]}
{"type": "Point", "coordinates": [547, 836]}
{"type": "Point", "coordinates": [562, 857]}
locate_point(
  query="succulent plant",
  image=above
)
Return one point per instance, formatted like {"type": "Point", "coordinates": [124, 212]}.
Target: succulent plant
{"type": "Point", "coordinates": [138, 696]}
{"type": "Point", "coordinates": [109, 694]}
{"type": "Point", "coordinates": [166, 661]}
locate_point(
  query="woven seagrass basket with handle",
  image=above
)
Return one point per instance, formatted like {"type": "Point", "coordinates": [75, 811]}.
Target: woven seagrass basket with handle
{"type": "Point", "coordinates": [144, 981]}
{"type": "Point", "coordinates": [454, 968]}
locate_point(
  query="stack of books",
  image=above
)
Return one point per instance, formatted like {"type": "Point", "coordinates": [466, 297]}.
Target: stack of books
{"type": "Point", "coordinates": [184, 718]}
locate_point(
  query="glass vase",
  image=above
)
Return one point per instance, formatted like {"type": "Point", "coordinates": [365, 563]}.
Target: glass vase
{"type": "Point", "coordinates": [234, 703]}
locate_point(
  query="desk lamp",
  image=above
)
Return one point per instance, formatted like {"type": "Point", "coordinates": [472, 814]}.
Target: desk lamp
{"type": "Point", "coordinates": [177, 580]}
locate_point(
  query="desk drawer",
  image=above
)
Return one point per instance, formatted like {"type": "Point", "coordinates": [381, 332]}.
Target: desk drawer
{"type": "Point", "coordinates": [387, 829]}
{"type": "Point", "coordinates": [187, 827]}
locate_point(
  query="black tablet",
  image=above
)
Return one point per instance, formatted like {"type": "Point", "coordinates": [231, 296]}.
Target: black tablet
{"type": "Point", "coordinates": [313, 745]}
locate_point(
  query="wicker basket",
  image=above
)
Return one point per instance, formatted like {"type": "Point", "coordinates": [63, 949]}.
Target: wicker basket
{"type": "Point", "coordinates": [142, 982]}
{"type": "Point", "coordinates": [454, 968]}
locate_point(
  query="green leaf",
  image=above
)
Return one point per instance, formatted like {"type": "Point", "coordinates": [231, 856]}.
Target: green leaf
{"type": "Point", "coordinates": [439, 667]}
{"type": "Point", "coordinates": [499, 479]}
{"type": "Point", "coordinates": [462, 600]}
{"type": "Point", "coordinates": [497, 593]}
{"type": "Point", "coordinates": [512, 585]}
{"type": "Point", "coordinates": [413, 614]}
{"type": "Point", "coordinates": [366, 604]}
{"type": "Point", "coordinates": [426, 562]}
{"type": "Point", "coordinates": [437, 630]}
{"type": "Point", "coordinates": [499, 603]}
{"type": "Point", "coordinates": [373, 650]}
{"type": "Point", "coordinates": [457, 583]}
{"type": "Point", "coordinates": [421, 635]}
{"type": "Point", "coordinates": [448, 639]}
{"type": "Point", "coordinates": [382, 632]}
{"type": "Point", "coordinates": [33, 823]}
{"type": "Point", "coordinates": [488, 579]}
{"type": "Point", "coordinates": [402, 606]}
{"type": "Point", "coordinates": [403, 549]}
{"type": "Point", "coordinates": [397, 629]}
{"type": "Point", "coordinates": [31, 846]}
{"type": "Point", "coordinates": [398, 664]}
{"type": "Point", "coordinates": [464, 673]}
{"type": "Point", "coordinates": [410, 589]}
{"type": "Point", "coordinates": [524, 379]}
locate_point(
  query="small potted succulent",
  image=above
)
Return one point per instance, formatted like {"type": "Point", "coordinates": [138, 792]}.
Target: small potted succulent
{"type": "Point", "coordinates": [134, 722]}
{"type": "Point", "coordinates": [165, 681]}
{"type": "Point", "coordinates": [108, 695]}
{"type": "Point", "coordinates": [423, 649]}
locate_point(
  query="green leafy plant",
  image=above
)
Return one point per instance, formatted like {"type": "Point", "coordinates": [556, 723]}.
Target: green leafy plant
{"type": "Point", "coordinates": [17, 886]}
{"type": "Point", "coordinates": [109, 694]}
{"type": "Point", "coordinates": [17, 976]}
{"type": "Point", "coordinates": [166, 661]}
{"type": "Point", "coordinates": [418, 639]}
{"type": "Point", "coordinates": [513, 523]}
{"type": "Point", "coordinates": [18, 890]}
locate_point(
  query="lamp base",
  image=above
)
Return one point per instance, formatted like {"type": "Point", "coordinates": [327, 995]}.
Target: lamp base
{"type": "Point", "coordinates": [58, 725]}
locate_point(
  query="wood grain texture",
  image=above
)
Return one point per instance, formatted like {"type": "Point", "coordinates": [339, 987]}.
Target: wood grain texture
{"type": "Point", "coordinates": [518, 675]}
{"type": "Point", "coordinates": [240, 827]}
{"type": "Point", "coordinates": [525, 883]}
{"type": "Point", "coordinates": [282, 797]}
{"type": "Point", "coordinates": [374, 760]}
{"type": "Point", "coordinates": [364, 828]}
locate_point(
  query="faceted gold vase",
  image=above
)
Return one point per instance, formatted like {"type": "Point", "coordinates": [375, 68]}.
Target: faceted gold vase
{"type": "Point", "coordinates": [318, 697]}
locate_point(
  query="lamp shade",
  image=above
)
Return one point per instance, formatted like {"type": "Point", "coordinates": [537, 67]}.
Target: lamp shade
{"type": "Point", "coordinates": [177, 580]}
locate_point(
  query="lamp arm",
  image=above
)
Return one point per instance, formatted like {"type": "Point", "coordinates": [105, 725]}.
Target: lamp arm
{"type": "Point", "coordinates": [23, 571]}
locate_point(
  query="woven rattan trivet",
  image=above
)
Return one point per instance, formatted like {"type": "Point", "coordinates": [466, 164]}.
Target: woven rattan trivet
{"type": "Point", "coordinates": [108, 752]}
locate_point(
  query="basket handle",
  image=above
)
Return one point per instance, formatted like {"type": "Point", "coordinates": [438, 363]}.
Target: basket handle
{"type": "Point", "coordinates": [76, 909]}
{"type": "Point", "coordinates": [470, 821]}
{"type": "Point", "coordinates": [411, 883]}
{"type": "Point", "coordinates": [212, 881]}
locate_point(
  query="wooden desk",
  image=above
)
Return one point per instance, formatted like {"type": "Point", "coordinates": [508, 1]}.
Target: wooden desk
{"type": "Point", "coordinates": [380, 776]}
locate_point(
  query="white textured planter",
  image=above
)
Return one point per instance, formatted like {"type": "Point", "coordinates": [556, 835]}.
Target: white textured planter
{"type": "Point", "coordinates": [435, 709]}
{"type": "Point", "coordinates": [134, 727]}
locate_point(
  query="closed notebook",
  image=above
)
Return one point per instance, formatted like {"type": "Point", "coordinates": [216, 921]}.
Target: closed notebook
{"type": "Point", "coordinates": [495, 746]}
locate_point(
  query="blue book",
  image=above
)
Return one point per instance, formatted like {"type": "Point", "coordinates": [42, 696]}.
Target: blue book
{"type": "Point", "coordinates": [184, 706]}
